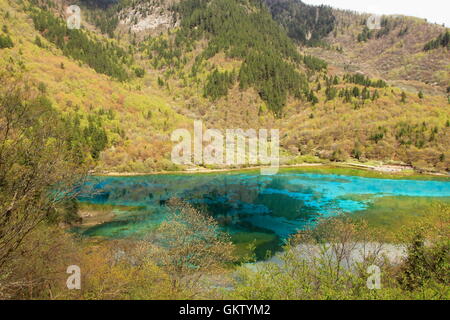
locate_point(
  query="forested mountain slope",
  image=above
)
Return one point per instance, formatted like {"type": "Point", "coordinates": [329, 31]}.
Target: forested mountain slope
{"type": "Point", "coordinates": [139, 69]}
{"type": "Point", "coordinates": [304, 23]}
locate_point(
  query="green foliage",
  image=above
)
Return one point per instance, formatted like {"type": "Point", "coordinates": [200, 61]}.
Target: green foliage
{"type": "Point", "coordinates": [104, 14]}
{"type": "Point", "coordinates": [235, 26]}
{"type": "Point", "coordinates": [218, 83]}
{"type": "Point", "coordinates": [305, 23]}
{"type": "Point", "coordinates": [320, 263]}
{"type": "Point", "coordinates": [403, 99]}
{"type": "Point", "coordinates": [415, 134]}
{"type": "Point", "coordinates": [375, 95]}
{"type": "Point", "coordinates": [5, 41]}
{"type": "Point", "coordinates": [314, 63]}
{"type": "Point", "coordinates": [360, 79]}
{"type": "Point", "coordinates": [165, 53]}
{"type": "Point", "coordinates": [38, 167]}
{"type": "Point", "coordinates": [68, 211]}
{"type": "Point", "coordinates": [442, 40]}
{"type": "Point", "coordinates": [403, 31]}
{"type": "Point", "coordinates": [103, 57]}
{"type": "Point", "coordinates": [161, 82]}
{"type": "Point", "coordinates": [379, 134]}
{"type": "Point", "coordinates": [273, 78]}
{"type": "Point", "coordinates": [346, 94]}
{"type": "Point", "coordinates": [356, 152]}
{"type": "Point", "coordinates": [425, 264]}
{"type": "Point", "coordinates": [311, 97]}
{"type": "Point", "coordinates": [92, 136]}
{"type": "Point", "coordinates": [331, 93]}
{"type": "Point", "coordinates": [38, 42]}
{"type": "Point", "coordinates": [365, 94]}
{"type": "Point", "coordinates": [139, 72]}
{"type": "Point", "coordinates": [365, 35]}
{"type": "Point", "coordinates": [421, 96]}
{"type": "Point", "coordinates": [245, 30]}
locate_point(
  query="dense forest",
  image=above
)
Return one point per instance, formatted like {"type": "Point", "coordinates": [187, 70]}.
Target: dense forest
{"type": "Point", "coordinates": [269, 57]}
{"type": "Point", "coordinates": [102, 56]}
{"type": "Point", "coordinates": [103, 13]}
{"type": "Point", "coordinates": [218, 84]}
{"type": "Point", "coordinates": [305, 23]}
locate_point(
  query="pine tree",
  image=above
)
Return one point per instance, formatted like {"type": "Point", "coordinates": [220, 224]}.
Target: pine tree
{"type": "Point", "coordinates": [403, 100]}
{"type": "Point", "coordinates": [6, 42]}
{"type": "Point", "coordinates": [375, 95]}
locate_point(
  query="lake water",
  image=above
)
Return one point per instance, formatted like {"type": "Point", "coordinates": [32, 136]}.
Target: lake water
{"type": "Point", "coordinates": [260, 209]}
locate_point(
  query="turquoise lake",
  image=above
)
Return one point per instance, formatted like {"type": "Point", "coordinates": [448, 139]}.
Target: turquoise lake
{"type": "Point", "coordinates": [250, 206]}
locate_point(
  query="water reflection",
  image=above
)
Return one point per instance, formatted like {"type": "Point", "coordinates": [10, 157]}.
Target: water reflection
{"type": "Point", "coordinates": [251, 207]}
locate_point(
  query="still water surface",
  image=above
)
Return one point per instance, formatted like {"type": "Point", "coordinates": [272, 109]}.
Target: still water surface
{"type": "Point", "coordinates": [255, 208]}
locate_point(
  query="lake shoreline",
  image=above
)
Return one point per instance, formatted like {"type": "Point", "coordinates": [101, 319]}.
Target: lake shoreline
{"type": "Point", "coordinates": [395, 170]}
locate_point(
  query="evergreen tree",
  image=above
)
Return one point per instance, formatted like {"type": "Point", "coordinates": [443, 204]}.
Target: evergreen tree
{"type": "Point", "coordinates": [375, 95]}
{"type": "Point", "coordinates": [103, 57]}
{"type": "Point", "coordinates": [331, 93]}
{"type": "Point", "coordinates": [6, 42]}
{"type": "Point", "coordinates": [403, 100]}
{"type": "Point", "coordinates": [442, 40]}
{"type": "Point", "coordinates": [218, 84]}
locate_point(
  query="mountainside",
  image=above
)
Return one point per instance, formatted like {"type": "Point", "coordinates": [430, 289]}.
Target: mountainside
{"type": "Point", "coordinates": [304, 23]}
{"type": "Point", "coordinates": [139, 69]}
{"type": "Point", "coordinates": [395, 52]}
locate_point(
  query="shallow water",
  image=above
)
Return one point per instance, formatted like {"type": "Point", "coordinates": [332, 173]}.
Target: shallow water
{"type": "Point", "coordinates": [249, 206]}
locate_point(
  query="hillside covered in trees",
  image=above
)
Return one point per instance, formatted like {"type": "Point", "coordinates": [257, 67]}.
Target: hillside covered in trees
{"type": "Point", "coordinates": [233, 63]}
